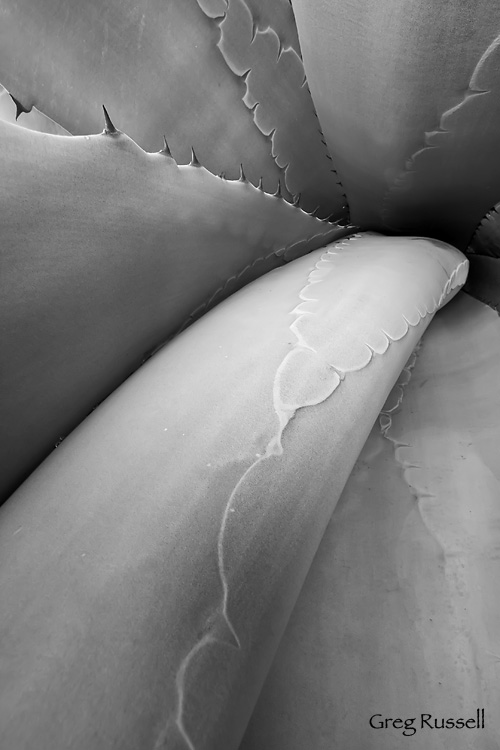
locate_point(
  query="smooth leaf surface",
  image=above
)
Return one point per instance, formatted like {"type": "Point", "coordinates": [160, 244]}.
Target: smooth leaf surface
{"type": "Point", "coordinates": [448, 185]}
{"type": "Point", "coordinates": [399, 614]}
{"type": "Point", "coordinates": [149, 566]}
{"type": "Point", "coordinates": [106, 252]}
{"type": "Point", "coordinates": [381, 75]}
{"type": "Point", "coordinates": [154, 65]}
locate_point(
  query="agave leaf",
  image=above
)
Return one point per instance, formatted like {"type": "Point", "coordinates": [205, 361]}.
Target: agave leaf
{"type": "Point", "coordinates": [450, 183]}
{"type": "Point", "coordinates": [155, 65]}
{"type": "Point", "coordinates": [405, 578]}
{"type": "Point", "coordinates": [160, 550]}
{"type": "Point", "coordinates": [486, 238]}
{"type": "Point", "coordinates": [282, 108]}
{"type": "Point", "coordinates": [380, 73]}
{"type": "Point", "coordinates": [106, 251]}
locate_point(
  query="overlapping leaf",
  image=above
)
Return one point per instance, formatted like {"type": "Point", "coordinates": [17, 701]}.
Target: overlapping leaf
{"type": "Point", "coordinates": [450, 183]}
{"type": "Point", "coordinates": [155, 65]}
{"type": "Point", "coordinates": [282, 108]}
{"type": "Point", "coordinates": [106, 252]}
{"type": "Point", "coordinates": [404, 579]}
{"type": "Point", "coordinates": [380, 74]}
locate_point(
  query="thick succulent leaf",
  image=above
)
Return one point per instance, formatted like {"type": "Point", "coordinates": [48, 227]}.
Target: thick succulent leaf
{"type": "Point", "coordinates": [380, 74]}
{"type": "Point", "coordinates": [159, 551]}
{"type": "Point", "coordinates": [449, 184]}
{"type": "Point", "coordinates": [400, 611]}
{"type": "Point", "coordinates": [155, 65]}
{"type": "Point", "coordinates": [484, 280]}
{"type": "Point", "coordinates": [106, 252]}
{"type": "Point", "coordinates": [486, 238]}
{"type": "Point", "coordinates": [282, 108]}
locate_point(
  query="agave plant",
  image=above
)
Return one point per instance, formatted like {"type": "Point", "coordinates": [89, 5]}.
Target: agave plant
{"type": "Point", "coordinates": [214, 309]}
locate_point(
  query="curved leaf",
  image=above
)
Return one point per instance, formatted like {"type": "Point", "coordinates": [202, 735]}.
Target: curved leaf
{"type": "Point", "coordinates": [106, 251]}
{"type": "Point", "coordinates": [160, 550]}
{"type": "Point", "coordinates": [399, 607]}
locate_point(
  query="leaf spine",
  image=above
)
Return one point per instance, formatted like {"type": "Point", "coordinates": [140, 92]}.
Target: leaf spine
{"type": "Point", "coordinates": [166, 149]}
{"type": "Point", "coordinates": [109, 128]}
{"type": "Point", "coordinates": [194, 159]}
